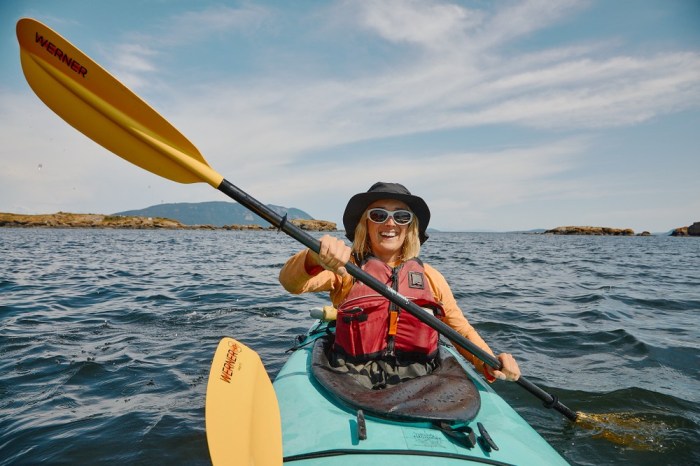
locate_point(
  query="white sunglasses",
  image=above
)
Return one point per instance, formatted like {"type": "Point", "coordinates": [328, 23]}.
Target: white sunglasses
{"type": "Point", "coordinates": [400, 216]}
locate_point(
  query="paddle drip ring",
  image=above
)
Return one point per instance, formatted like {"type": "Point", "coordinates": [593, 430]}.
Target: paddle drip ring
{"type": "Point", "coordinates": [552, 403]}
{"type": "Point", "coordinates": [283, 222]}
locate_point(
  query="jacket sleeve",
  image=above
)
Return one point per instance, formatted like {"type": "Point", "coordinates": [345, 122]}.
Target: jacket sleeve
{"type": "Point", "coordinates": [454, 317]}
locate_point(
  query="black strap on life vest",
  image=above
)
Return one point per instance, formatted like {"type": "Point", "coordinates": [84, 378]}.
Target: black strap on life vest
{"type": "Point", "coordinates": [394, 313]}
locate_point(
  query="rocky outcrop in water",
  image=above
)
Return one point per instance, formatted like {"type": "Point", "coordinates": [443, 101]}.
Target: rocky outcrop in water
{"type": "Point", "coordinates": [68, 220]}
{"type": "Point", "coordinates": [309, 225]}
{"type": "Point", "coordinates": [314, 225]}
{"type": "Point", "coordinates": [692, 230]}
{"type": "Point", "coordinates": [598, 231]}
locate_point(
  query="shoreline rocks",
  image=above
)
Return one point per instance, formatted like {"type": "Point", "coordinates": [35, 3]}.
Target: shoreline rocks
{"type": "Point", "coordinates": [597, 231]}
{"type": "Point", "coordinates": [69, 220]}
{"type": "Point", "coordinates": [692, 230]}
{"type": "Point", "coordinates": [314, 225]}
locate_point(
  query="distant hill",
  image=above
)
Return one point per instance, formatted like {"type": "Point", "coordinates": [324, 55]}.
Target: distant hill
{"type": "Point", "coordinates": [217, 213]}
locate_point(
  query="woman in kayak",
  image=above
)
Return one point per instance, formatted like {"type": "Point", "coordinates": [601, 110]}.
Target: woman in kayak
{"type": "Point", "coordinates": [375, 340]}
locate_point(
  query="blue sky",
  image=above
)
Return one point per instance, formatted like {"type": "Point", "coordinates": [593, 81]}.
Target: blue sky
{"type": "Point", "coordinates": [508, 115]}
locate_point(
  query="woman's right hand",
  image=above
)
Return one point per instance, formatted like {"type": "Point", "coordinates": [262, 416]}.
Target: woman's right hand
{"type": "Point", "coordinates": [509, 368]}
{"type": "Point", "coordinates": [333, 255]}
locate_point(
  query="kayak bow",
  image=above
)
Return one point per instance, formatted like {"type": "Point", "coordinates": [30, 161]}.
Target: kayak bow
{"type": "Point", "coordinates": [320, 429]}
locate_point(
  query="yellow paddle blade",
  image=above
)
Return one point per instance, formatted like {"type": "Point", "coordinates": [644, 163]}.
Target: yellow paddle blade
{"type": "Point", "coordinates": [242, 416]}
{"type": "Point", "coordinates": [96, 104]}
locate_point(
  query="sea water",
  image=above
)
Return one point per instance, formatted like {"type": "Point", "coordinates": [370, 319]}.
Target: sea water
{"type": "Point", "coordinates": [106, 336]}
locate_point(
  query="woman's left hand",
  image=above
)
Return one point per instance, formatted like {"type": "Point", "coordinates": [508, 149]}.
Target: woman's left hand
{"type": "Point", "coordinates": [509, 368]}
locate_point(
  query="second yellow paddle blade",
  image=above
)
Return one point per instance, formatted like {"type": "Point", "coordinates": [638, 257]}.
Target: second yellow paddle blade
{"type": "Point", "coordinates": [242, 415]}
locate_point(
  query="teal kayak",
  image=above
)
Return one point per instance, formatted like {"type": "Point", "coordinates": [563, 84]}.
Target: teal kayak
{"type": "Point", "coordinates": [323, 428]}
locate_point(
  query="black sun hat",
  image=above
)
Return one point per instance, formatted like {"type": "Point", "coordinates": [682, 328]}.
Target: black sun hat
{"type": "Point", "coordinates": [381, 190]}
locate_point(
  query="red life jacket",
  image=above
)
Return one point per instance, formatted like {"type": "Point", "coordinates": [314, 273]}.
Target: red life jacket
{"type": "Point", "coordinates": [369, 326]}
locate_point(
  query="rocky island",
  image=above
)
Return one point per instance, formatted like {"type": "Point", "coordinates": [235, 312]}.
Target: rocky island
{"type": "Point", "coordinates": [692, 230]}
{"type": "Point", "coordinates": [599, 231]}
{"type": "Point", "coordinates": [69, 220]}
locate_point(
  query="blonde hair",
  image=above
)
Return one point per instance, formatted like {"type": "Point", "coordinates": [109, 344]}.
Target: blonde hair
{"type": "Point", "coordinates": [361, 247]}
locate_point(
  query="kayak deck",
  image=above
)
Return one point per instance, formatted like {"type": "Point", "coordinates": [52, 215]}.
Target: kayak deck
{"type": "Point", "coordinates": [319, 430]}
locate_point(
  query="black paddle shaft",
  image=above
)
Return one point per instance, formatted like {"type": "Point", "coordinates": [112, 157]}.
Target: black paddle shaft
{"type": "Point", "coordinates": [226, 187]}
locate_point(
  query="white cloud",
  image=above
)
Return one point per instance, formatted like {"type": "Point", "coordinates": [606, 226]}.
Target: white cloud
{"type": "Point", "coordinates": [450, 86]}
{"type": "Point", "coordinates": [521, 18]}
{"type": "Point", "coordinates": [288, 120]}
{"type": "Point", "coordinates": [139, 60]}
{"type": "Point", "coordinates": [205, 25]}
{"type": "Point", "coordinates": [208, 24]}
{"type": "Point", "coordinates": [134, 64]}
{"type": "Point", "coordinates": [433, 25]}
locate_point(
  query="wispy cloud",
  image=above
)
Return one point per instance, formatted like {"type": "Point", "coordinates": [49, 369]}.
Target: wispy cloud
{"type": "Point", "coordinates": [463, 75]}
{"type": "Point", "coordinates": [450, 28]}
{"type": "Point", "coordinates": [519, 19]}
{"type": "Point", "coordinates": [557, 87]}
{"type": "Point", "coordinates": [140, 56]}
{"type": "Point", "coordinates": [134, 64]}
{"type": "Point", "coordinates": [434, 26]}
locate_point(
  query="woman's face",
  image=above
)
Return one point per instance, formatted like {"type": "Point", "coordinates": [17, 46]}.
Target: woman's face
{"type": "Point", "coordinates": [386, 239]}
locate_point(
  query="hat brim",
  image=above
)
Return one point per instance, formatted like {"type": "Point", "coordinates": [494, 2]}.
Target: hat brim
{"type": "Point", "coordinates": [359, 203]}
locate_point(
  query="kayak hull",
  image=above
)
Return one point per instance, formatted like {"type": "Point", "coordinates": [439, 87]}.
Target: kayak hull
{"type": "Point", "coordinates": [318, 429]}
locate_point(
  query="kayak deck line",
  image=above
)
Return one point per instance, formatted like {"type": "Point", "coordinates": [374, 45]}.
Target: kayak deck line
{"type": "Point", "coordinates": [395, 452]}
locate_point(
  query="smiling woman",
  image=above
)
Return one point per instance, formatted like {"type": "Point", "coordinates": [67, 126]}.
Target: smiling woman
{"type": "Point", "coordinates": [377, 343]}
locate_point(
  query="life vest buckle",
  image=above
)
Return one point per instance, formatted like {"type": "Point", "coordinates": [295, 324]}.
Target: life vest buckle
{"type": "Point", "coordinates": [355, 314]}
